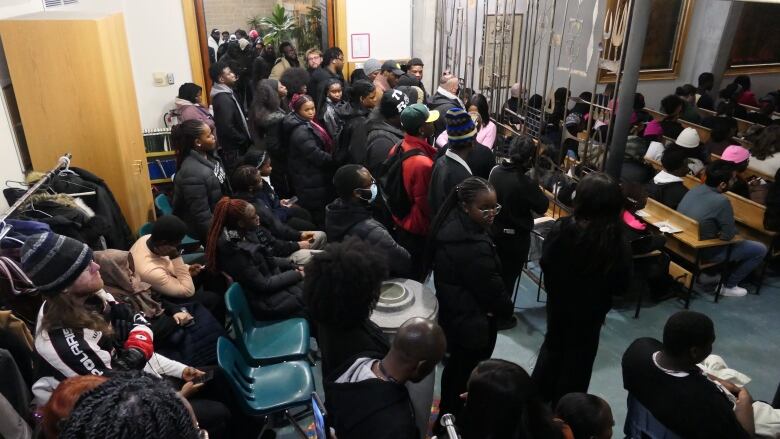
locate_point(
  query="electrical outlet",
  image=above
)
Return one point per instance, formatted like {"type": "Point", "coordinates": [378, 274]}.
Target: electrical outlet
{"type": "Point", "coordinates": [159, 79]}
{"type": "Point", "coordinates": [170, 79]}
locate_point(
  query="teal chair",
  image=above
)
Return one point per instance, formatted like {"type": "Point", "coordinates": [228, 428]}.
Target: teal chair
{"type": "Point", "coordinates": [265, 342]}
{"type": "Point", "coordinates": [164, 206]}
{"type": "Point", "coordinates": [267, 390]}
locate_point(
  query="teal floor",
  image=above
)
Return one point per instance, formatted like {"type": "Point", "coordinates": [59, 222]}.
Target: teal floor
{"type": "Point", "coordinates": [747, 331]}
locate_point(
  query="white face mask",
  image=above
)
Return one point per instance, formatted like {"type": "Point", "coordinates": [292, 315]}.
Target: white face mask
{"type": "Point", "coordinates": [374, 191]}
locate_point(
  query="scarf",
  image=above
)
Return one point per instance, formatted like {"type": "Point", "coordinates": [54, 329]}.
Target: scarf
{"type": "Point", "coordinates": [124, 284]}
{"type": "Point", "coordinates": [327, 141]}
{"type": "Point", "coordinates": [222, 88]}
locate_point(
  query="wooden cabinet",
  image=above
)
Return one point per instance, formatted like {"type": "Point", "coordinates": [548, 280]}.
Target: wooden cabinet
{"type": "Point", "coordinates": [74, 86]}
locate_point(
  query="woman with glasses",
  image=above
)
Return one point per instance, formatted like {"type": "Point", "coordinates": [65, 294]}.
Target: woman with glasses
{"type": "Point", "coordinates": [521, 197]}
{"type": "Point", "coordinates": [467, 275]}
{"type": "Point", "coordinates": [586, 260]}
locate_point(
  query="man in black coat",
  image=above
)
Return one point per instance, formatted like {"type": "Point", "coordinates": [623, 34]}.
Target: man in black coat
{"type": "Point", "coordinates": [367, 398]}
{"type": "Point", "coordinates": [331, 67]}
{"type": "Point", "coordinates": [414, 76]}
{"type": "Point", "coordinates": [350, 215]}
{"type": "Point", "coordinates": [446, 97]}
{"type": "Point", "coordinates": [451, 167]}
{"type": "Point", "coordinates": [232, 129]}
{"type": "Point", "coordinates": [383, 129]}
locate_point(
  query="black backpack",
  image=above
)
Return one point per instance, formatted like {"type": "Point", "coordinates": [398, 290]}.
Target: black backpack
{"type": "Point", "coordinates": [391, 180]}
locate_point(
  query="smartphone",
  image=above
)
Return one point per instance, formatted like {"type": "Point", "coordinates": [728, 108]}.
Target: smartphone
{"type": "Point", "coordinates": [292, 201]}
{"type": "Point", "coordinates": [209, 375]}
{"type": "Point", "coordinates": [320, 428]}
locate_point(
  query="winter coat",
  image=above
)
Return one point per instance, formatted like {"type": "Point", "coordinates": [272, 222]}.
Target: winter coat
{"type": "Point", "coordinates": [187, 111]}
{"type": "Point", "coordinates": [232, 128]}
{"type": "Point", "coordinates": [268, 219]}
{"type": "Point", "coordinates": [331, 120]}
{"type": "Point", "coordinates": [272, 285]}
{"type": "Point", "coordinates": [519, 198]}
{"type": "Point", "coordinates": [667, 189]}
{"type": "Point", "coordinates": [279, 67]}
{"type": "Point", "coordinates": [380, 139]}
{"type": "Point", "coordinates": [338, 344]}
{"type": "Point", "coordinates": [442, 103]}
{"type": "Point", "coordinates": [197, 187]}
{"type": "Point", "coordinates": [447, 173]}
{"type": "Point", "coordinates": [310, 166]}
{"type": "Point", "coordinates": [371, 408]}
{"type": "Point", "coordinates": [417, 172]}
{"type": "Point", "coordinates": [351, 218]}
{"type": "Point", "coordinates": [469, 286]}
{"type": "Point", "coordinates": [316, 86]}
{"type": "Point", "coordinates": [354, 134]}
{"type": "Point", "coordinates": [266, 136]}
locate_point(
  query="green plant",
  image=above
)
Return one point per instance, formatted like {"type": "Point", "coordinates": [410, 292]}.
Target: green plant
{"type": "Point", "coordinates": [308, 33]}
{"type": "Point", "coordinates": [254, 22]}
{"type": "Point", "coordinates": [279, 25]}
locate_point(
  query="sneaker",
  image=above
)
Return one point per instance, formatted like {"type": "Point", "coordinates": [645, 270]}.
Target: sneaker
{"type": "Point", "coordinates": [735, 291]}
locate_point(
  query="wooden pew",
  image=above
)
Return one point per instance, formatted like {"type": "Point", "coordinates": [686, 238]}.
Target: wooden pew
{"type": "Point", "coordinates": [750, 171]}
{"type": "Point", "coordinates": [749, 216]}
{"type": "Point", "coordinates": [742, 124]}
{"type": "Point", "coordinates": [555, 209]}
{"type": "Point", "coordinates": [775, 115]}
{"type": "Point", "coordinates": [686, 244]}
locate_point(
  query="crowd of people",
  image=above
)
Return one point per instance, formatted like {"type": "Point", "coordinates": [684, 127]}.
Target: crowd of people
{"type": "Point", "coordinates": [309, 190]}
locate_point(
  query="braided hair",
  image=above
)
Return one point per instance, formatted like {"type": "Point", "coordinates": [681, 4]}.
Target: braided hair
{"type": "Point", "coordinates": [130, 405]}
{"type": "Point", "coordinates": [227, 212]}
{"type": "Point", "coordinates": [183, 138]}
{"type": "Point", "coordinates": [464, 193]}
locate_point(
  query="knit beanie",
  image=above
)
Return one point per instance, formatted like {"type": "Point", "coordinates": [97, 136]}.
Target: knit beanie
{"type": "Point", "coordinates": [460, 127]}
{"type": "Point", "coordinates": [53, 262]}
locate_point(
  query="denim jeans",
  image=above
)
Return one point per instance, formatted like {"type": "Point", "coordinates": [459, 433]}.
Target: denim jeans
{"type": "Point", "coordinates": [748, 254]}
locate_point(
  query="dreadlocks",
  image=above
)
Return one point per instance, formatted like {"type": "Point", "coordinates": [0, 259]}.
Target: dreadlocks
{"type": "Point", "coordinates": [227, 212]}
{"type": "Point", "coordinates": [130, 405]}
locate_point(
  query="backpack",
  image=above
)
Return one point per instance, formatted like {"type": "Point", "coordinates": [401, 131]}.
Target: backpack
{"type": "Point", "coordinates": [391, 180]}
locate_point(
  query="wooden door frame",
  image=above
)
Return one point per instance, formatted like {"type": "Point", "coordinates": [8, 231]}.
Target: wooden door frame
{"type": "Point", "coordinates": [197, 45]}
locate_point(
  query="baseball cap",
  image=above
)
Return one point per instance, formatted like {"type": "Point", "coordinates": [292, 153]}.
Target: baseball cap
{"type": "Point", "coordinates": [392, 66]}
{"type": "Point", "coordinates": [735, 154]}
{"type": "Point", "coordinates": [393, 103]}
{"type": "Point", "coordinates": [371, 65]}
{"type": "Point", "coordinates": [416, 115]}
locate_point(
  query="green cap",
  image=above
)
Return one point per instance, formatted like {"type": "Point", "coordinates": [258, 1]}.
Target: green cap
{"type": "Point", "coordinates": [416, 115]}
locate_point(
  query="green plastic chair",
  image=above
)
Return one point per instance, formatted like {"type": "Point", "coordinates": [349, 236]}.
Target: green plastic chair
{"type": "Point", "coordinates": [262, 391]}
{"type": "Point", "coordinates": [164, 206]}
{"type": "Point", "coordinates": [265, 342]}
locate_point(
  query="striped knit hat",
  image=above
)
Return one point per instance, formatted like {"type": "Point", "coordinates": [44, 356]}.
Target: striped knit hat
{"type": "Point", "coordinates": [53, 262]}
{"type": "Point", "coordinates": [460, 127]}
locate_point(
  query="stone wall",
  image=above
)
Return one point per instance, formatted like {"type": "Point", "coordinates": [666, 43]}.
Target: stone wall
{"type": "Point", "coordinates": [230, 15]}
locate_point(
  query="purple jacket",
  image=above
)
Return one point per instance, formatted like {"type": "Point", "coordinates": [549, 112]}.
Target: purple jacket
{"type": "Point", "coordinates": [187, 110]}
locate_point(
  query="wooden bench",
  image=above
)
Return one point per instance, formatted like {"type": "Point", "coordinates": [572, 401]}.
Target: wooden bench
{"type": "Point", "coordinates": [555, 209]}
{"type": "Point", "coordinates": [775, 115]}
{"type": "Point", "coordinates": [742, 124]}
{"type": "Point", "coordinates": [686, 244]}
{"type": "Point", "coordinates": [750, 171]}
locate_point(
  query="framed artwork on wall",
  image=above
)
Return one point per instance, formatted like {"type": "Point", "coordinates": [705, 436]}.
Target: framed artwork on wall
{"type": "Point", "coordinates": [756, 47]}
{"type": "Point", "coordinates": [667, 33]}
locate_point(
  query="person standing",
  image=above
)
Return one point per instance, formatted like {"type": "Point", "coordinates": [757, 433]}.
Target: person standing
{"type": "Point", "coordinates": [388, 75]}
{"type": "Point", "coordinates": [414, 76]}
{"type": "Point", "coordinates": [412, 229]}
{"type": "Point", "coordinates": [383, 129]}
{"type": "Point", "coordinates": [446, 97]}
{"type": "Point", "coordinates": [451, 168]}
{"type": "Point", "coordinates": [371, 69]}
{"type": "Point", "coordinates": [288, 59]}
{"type": "Point", "coordinates": [229, 118]}
{"type": "Point", "coordinates": [213, 42]}
{"type": "Point", "coordinates": [487, 129]}
{"type": "Point", "coordinates": [362, 99]}
{"type": "Point", "coordinates": [313, 59]}
{"type": "Point", "coordinates": [266, 119]}
{"type": "Point", "coordinates": [331, 67]}
{"type": "Point", "coordinates": [521, 197]}
{"type": "Point", "coordinates": [467, 276]}
{"type": "Point", "coordinates": [585, 261]}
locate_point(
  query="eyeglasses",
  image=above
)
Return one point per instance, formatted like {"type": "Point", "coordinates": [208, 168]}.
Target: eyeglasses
{"type": "Point", "coordinates": [487, 212]}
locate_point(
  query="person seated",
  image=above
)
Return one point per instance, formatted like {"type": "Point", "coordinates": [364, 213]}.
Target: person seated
{"type": "Point", "coordinates": [721, 135]}
{"type": "Point", "coordinates": [765, 154]}
{"type": "Point", "coordinates": [687, 93]}
{"type": "Point", "coordinates": [272, 284]}
{"type": "Point", "coordinates": [350, 215]}
{"type": "Point", "coordinates": [584, 416]}
{"type": "Point", "coordinates": [189, 105]}
{"type": "Point", "coordinates": [667, 186]}
{"type": "Point", "coordinates": [64, 398]}
{"type": "Point", "coordinates": [665, 379]}
{"type": "Point", "coordinates": [286, 210]}
{"type": "Point", "coordinates": [772, 214]}
{"type": "Point", "coordinates": [131, 405]}
{"type": "Point", "coordinates": [729, 96]}
{"type": "Point", "coordinates": [158, 262]}
{"type": "Point", "coordinates": [367, 396]}
{"type": "Point", "coordinates": [739, 157]}
{"type": "Point", "coordinates": [341, 306]}
{"type": "Point", "coordinates": [502, 402]}
{"type": "Point", "coordinates": [284, 243]}
{"type": "Point", "coordinates": [653, 135]}
{"type": "Point", "coordinates": [708, 205]}
{"type": "Point", "coordinates": [745, 96]}
{"type": "Point", "coordinates": [673, 107]}
{"type": "Point", "coordinates": [79, 320]}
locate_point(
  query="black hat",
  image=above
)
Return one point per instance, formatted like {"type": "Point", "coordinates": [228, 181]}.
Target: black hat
{"type": "Point", "coordinates": [53, 262]}
{"type": "Point", "coordinates": [393, 103]}
{"type": "Point", "coordinates": [392, 66]}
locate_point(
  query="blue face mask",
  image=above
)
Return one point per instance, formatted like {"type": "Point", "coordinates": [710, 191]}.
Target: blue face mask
{"type": "Point", "coordinates": [374, 191]}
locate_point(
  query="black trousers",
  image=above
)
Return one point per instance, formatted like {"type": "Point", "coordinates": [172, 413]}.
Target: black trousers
{"type": "Point", "coordinates": [565, 362]}
{"type": "Point", "coordinates": [513, 252]}
{"type": "Point", "coordinates": [457, 371]}
{"type": "Point", "coordinates": [415, 245]}
{"type": "Point", "coordinates": [300, 219]}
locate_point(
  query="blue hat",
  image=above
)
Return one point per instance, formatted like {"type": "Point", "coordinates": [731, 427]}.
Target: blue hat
{"type": "Point", "coordinates": [460, 126]}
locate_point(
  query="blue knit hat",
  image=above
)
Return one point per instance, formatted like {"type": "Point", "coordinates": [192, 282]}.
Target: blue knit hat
{"type": "Point", "coordinates": [460, 127]}
{"type": "Point", "coordinates": [53, 262]}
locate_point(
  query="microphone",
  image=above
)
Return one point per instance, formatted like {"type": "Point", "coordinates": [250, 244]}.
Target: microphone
{"type": "Point", "coordinates": [448, 422]}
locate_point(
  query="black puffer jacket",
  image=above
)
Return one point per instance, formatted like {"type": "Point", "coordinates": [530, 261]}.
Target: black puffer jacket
{"type": "Point", "coordinates": [272, 285]}
{"type": "Point", "coordinates": [467, 275]}
{"type": "Point", "coordinates": [266, 136]}
{"type": "Point", "coordinates": [380, 139]}
{"type": "Point", "coordinates": [232, 129]}
{"type": "Point", "coordinates": [354, 134]}
{"type": "Point", "coordinates": [343, 218]}
{"type": "Point", "coordinates": [442, 103]}
{"type": "Point", "coordinates": [310, 166]}
{"type": "Point", "coordinates": [197, 186]}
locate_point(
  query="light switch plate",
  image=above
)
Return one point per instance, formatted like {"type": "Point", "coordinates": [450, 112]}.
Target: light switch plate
{"type": "Point", "coordinates": [159, 79]}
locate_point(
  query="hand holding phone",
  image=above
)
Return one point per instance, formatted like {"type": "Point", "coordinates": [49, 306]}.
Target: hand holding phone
{"type": "Point", "coordinates": [206, 377]}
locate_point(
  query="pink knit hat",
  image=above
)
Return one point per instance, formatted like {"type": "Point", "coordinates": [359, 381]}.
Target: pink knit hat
{"type": "Point", "coordinates": [735, 154]}
{"type": "Point", "coordinates": [653, 128]}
